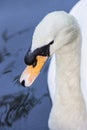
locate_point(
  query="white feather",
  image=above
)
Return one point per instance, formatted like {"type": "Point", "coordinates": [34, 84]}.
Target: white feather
{"type": "Point", "coordinates": [79, 12]}
{"type": "Point", "coordinates": [52, 77]}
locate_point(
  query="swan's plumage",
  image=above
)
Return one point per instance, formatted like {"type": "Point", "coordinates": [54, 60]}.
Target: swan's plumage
{"type": "Point", "coordinates": [53, 26]}
{"type": "Point", "coordinates": [51, 79]}
{"type": "Point", "coordinates": [79, 11]}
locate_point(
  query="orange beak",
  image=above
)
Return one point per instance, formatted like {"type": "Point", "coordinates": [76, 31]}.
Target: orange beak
{"type": "Point", "coordinates": [31, 73]}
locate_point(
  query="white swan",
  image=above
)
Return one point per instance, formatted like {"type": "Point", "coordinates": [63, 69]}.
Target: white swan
{"type": "Point", "coordinates": [79, 11]}
{"type": "Point", "coordinates": [59, 34]}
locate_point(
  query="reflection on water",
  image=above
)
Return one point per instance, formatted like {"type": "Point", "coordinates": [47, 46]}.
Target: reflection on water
{"type": "Point", "coordinates": [7, 37]}
{"type": "Point", "coordinates": [4, 53]}
{"type": "Point", "coordinates": [14, 107]}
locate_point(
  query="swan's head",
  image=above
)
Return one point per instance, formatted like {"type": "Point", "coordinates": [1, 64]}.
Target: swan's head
{"type": "Point", "coordinates": [52, 33]}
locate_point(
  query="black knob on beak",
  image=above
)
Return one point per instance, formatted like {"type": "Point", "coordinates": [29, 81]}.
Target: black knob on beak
{"type": "Point", "coordinates": [29, 58]}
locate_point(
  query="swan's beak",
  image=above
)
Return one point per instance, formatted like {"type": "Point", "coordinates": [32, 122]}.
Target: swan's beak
{"type": "Point", "coordinates": [31, 73]}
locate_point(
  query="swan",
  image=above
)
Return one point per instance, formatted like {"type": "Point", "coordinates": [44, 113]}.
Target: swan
{"type": "Point", "coordinates": [79, 12]}
{"type": "Point", "coordinates": [58, 35]}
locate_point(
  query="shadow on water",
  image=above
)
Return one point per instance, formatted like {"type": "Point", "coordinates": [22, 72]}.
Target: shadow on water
{"type": "Point", "coordinates": [14, 107]}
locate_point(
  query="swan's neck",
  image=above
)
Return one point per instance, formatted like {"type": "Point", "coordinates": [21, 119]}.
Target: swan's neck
{"type": "Point", "coordinates": [68, 110]}
{"type": "Point", "coordinates": [68, 74]}
{"type": "Point", "coordinates": [68, 97]}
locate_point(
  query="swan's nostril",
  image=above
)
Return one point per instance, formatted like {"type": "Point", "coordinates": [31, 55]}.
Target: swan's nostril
{"type": "Point", "coordinates": [23, 83]}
